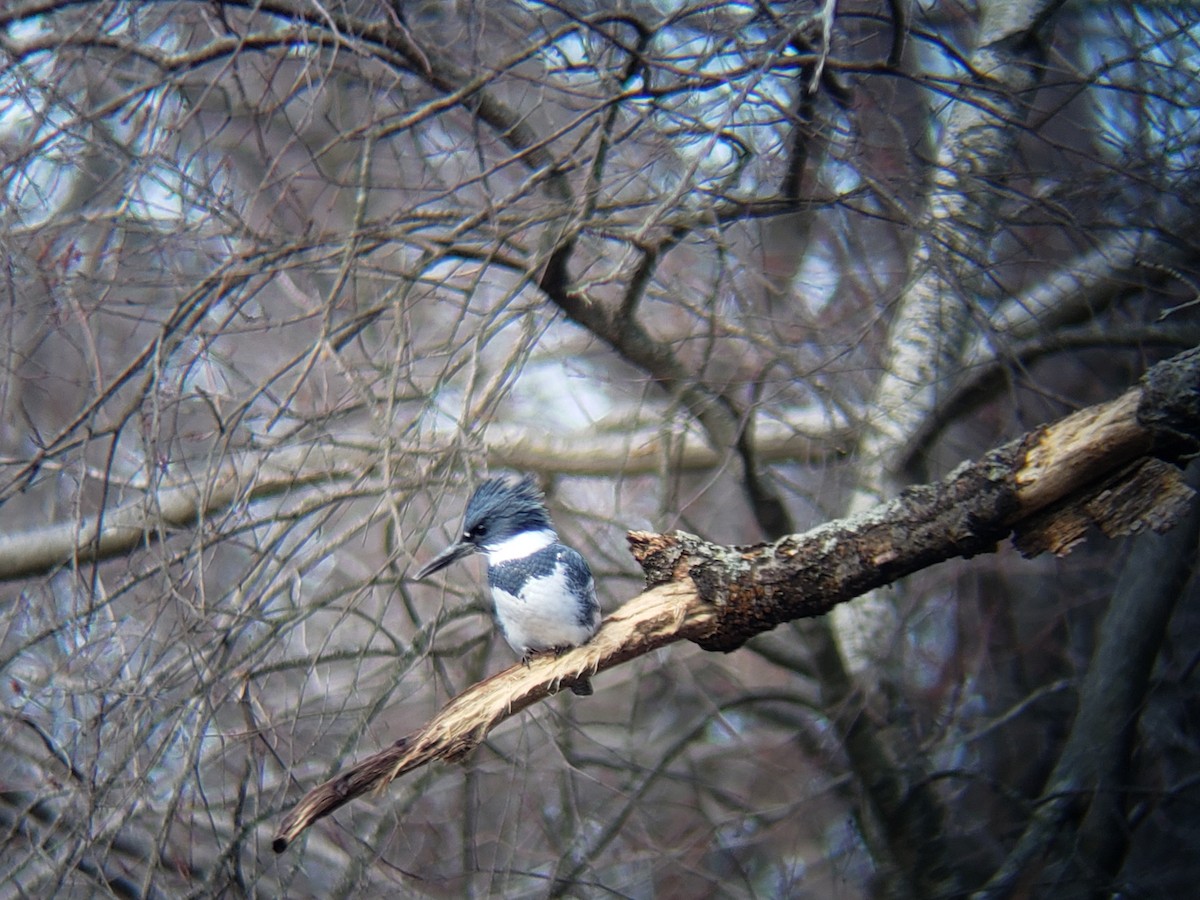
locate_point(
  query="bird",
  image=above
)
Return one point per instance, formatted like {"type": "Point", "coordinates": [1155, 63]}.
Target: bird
{"type": "Point", "coordinates": [543, 592]}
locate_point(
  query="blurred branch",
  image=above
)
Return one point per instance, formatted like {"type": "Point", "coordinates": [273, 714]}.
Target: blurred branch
{"type": "Point", "coordinates": [1036, 322]}
{"type": "Point", "coordinates": [983, 380]}
{"type": "Point", "coordinates": [183, 502]}
{"type": "Point", "coordinates": [720, 596]}
{"type": "Point", "coordinates": [1125, 261]}
{"type": "Point", "coordinates": [1081, 812]}
{"type": "Point", "coordinates": [641, 452]}
{"type": "Point", "coordinates": [29, 819]}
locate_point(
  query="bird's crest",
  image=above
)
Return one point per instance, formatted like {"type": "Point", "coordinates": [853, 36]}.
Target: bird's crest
{"type": "Point", "coordinates": [510, 506]}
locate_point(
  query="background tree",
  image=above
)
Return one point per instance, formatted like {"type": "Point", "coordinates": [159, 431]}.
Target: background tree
{"type": "Point", "coordinates": [284, 280]}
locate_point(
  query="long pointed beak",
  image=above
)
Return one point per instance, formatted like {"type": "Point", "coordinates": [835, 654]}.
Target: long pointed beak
{"type": "Point", "coordinates": [453, 553]}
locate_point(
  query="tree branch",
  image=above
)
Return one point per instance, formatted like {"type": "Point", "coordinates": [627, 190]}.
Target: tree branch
{"type": "Point", "coordinates": [720, 596]}
{"type": "Point", "coordinates": [658, 617]}
{"type": "Point", "coordinates": [1037, 322]}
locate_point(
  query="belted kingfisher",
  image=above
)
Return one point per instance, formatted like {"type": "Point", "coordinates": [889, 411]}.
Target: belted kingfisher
{"type": "Point", "coordinates": [543, 591]}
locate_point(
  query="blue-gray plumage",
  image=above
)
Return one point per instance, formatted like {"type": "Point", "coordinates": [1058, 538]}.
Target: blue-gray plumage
{"type": "Point", "coordinates": [543, 591]}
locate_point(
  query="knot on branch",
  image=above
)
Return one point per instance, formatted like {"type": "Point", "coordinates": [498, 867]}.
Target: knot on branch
{"type": "Point", "coordinates": [657, 554]}
{"type": "Point", "coordinates": [725, 579]}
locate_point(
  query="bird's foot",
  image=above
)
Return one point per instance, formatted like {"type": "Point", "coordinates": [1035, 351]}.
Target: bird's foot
{"type": "Point", "coordinates": [581, 686]}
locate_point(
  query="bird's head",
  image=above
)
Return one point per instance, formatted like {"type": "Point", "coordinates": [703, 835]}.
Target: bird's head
{"type": "Point", "coordinates": [498, 510]}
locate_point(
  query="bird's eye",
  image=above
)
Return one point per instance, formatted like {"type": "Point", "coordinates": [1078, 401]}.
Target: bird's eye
{"type": "Point", "coordinates": [477, 531]}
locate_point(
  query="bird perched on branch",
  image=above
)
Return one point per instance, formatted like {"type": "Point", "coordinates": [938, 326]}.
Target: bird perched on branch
{"type": "Point", "coordinates": [543, 591]}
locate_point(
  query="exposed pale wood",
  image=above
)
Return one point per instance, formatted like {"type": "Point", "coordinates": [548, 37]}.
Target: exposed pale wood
{"type": "Point", "coordinates": [666, 614]}
{"type": "Point", "coordinates": [1074, 451]}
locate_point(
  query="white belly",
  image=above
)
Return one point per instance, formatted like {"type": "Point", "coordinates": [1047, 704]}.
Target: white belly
{"type": "Point", "coordinates": [544, 617]}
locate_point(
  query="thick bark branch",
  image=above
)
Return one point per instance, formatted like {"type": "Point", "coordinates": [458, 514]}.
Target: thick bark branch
{"type": "Point", "coordinates": [719, 596]}
{"type": "Point", "coordinates": [1055, 474]}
